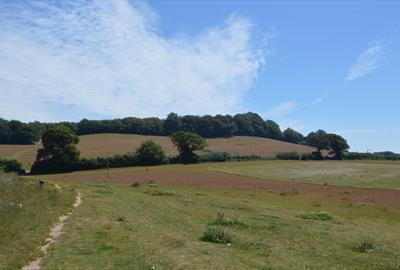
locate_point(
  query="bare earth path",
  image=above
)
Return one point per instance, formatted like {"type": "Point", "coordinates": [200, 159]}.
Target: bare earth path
{"type": "Point", "coordinates": [55, 233]}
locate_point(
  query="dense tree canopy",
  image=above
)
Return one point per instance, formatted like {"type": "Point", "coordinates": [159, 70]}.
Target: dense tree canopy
{"type": "Point", "coordinates": [320, 140]}
{"type": "Point", "coordinates": [338, 145]}
{"type": "Point", "coordinates": [11, 166]}
{"type": "Point", "coordinates": [207, 126]}
{"type": "Point", "coordinates": [292, 136]}
{"type": "Point", "coordinates": [58, 153]}
{"type": "Point", "coordinates": [16, 132]}
{"type": "Point", "coordinates": [150, 153]}
{"type": "Point", "coordinates": [187, 143]}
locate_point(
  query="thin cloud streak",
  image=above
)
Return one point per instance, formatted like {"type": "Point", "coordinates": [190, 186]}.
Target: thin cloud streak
{"type": "Point", "coordinates": [367, 62]}
{"type": "Point", "coordinates": [106, 58]}
{"type": "Point", "coordinates": [282, 109]}
{"type": "Point", "coordinates": [317, 101]}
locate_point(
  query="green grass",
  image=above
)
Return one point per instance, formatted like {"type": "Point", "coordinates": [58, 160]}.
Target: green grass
{"type": "Point", "coordinates": [27, 213]}
{"type": "Point", "coordinates": [120, 227]}
{"type": "Point", "coordinates": [373, 174]}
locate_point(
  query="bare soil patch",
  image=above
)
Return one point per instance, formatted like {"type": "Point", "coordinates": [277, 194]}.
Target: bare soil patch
{"type": "Point", "coordinates": [195, 177]}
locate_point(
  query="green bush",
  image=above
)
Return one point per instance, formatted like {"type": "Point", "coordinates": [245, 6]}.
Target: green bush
{"type": "Point", "coordinates": [246, 157]}
{"type": "Point", "coordinates": [217, 235]}
{"type": "Point", "coordinates": [223, 221]}
{"type": "Point", "coordinates": [288, 156]}
{"type": "Point", "coordinates": [150, 153]}
{"type": "Point", "coordinates": [215, 157]}
{"type": "Point", "coordinates": [324, 216]}
{"type": "Point", "coordinates": [374, 156]}
{"type": "Point", "coordinates": [365, 245]}
{"type": "Point", "coordinates": [11, 166]}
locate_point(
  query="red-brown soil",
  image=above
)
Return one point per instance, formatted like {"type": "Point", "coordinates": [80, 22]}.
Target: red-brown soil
{"type": "Point", "coordinates": [194, 177]}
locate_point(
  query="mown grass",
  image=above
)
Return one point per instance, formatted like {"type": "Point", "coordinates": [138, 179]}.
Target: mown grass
{"type": "Point", "coordinates": [27, 213]}
{"type": "Point", "coordinates": [373, 174]}
{"type": "Point", "coordinates": [124, 227]}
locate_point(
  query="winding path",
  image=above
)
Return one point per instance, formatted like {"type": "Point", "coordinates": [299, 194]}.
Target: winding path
{"type": "Point", "coordinates": [55, 233]}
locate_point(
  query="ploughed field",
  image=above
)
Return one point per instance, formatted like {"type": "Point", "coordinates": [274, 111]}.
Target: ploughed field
{"type": "Point", "coordinates": [237, 215]}
{"type": "Point", "coordinates": [102, 144]}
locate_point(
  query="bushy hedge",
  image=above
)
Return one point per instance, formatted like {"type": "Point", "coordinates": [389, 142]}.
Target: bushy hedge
{"type": "Point", "coordinates": [215, 157]}
{"type": "Point", "coordinates": [247, 157]}
{"type": "Point", "coordinates": [299, 156]}
{"type": "Point", "coordinates": [289, 156]}
{"type": "Point", "coordinates": [374, 156]}
{"type": "Point", "coordinates": [11, 165]}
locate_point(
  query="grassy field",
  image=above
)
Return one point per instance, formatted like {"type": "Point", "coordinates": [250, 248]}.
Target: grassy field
{"type": "Point", "coordinates": [103, 144]}
{"type": "Point", "coordinates": [124, 227]}
{"type": "Point", "coordinates": [193, 217]}
{"type": "Point", "coordinates": [26, 214]}
{"type": "Point", "coordinates": [373, 174]}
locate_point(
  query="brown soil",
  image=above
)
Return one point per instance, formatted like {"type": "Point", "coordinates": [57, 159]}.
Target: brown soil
{"type": "Point", "coordinates": [189, 176]}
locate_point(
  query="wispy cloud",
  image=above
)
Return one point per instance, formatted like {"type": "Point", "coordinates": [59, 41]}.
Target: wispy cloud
{"type": "Point", "coordinates": [317, 101]}
{"type": "Point", "coordinates": [367, 62]}
{"type": "Point", "coordinates": [109, 58]}
{"type": "Point", "coordinates": [296, 124]}
{"type": "Point", "coordinates": [282, 109]}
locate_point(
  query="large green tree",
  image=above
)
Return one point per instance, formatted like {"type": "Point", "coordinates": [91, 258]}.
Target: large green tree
{"type": "Point", "coordinates": [338, 145]}
{"type": "Point", "coordinates": [59, 153]}
{"type": "Point", "coordinates": [172, 124]}
{"type": "Point", "coordinates": [187, 143]}
{"type": "Point", "coordinates": [150, 153]}
{"type": "Point", "coordinates": [320, 140]}
{"type": "Point", "coordinates": [292, 136]}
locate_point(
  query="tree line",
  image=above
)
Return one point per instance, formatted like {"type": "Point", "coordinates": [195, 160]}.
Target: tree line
{"type": "Point", "coordinates": [59, 153]}
{"type": "Point", "coordinates": [207, 126]}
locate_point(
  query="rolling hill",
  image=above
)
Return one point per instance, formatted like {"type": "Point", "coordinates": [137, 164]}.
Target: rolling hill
{"type": "Point", "coordinates": [102, 144]}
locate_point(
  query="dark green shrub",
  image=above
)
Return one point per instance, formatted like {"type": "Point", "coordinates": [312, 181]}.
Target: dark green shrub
{"type": "Point", "coordinates": [223, 221]}
{"type": "Point", "coordinates": [365, 245]}
{"type": "Point", "coordinates": [324, 216]}
{"type": "Point", "coordinates": [150, 153]}
{"type": "Point", "coordinates": [246, 157]}
{"type": "Point", "coordinates": [158, 192]}
{"type": "Point", "coordinates": [217, 235]}
{"type": "Point", "coordinates": [214, 157]}
{"type": "Point", "coordinates": [288, 155]}
{"type": "Point", "coordinates": [11, 166]}
{"type": "Point", "coordinates": [306, 156]}
{"type": "Point", "coordinates": [135, 184]}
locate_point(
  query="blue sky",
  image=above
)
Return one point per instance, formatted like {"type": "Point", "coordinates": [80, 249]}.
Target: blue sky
{"type": "Point", "coordinates": [307, 65]}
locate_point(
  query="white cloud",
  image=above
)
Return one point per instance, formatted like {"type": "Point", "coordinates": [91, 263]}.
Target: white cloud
{"type": "Point", "coordinates": [367, 62]}
{"type": "Point", "coordinates": [296, 124]}
{"type": "Point", "coordinates": [317, 101]}
{"type": "Point", "coordinates": [282, 109]}
{"type": "Point", "coordinates": [108, 58]}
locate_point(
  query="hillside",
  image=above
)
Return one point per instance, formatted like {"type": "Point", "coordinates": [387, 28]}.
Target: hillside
{"type": "Point", "coordinates": [103, 144]}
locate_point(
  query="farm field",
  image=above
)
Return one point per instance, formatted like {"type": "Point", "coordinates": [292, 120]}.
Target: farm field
{"type": "Point", "coordinates": [144, 217]}
{"type": "Point", "coordinates": [102, 144]}
{"type": "Point", "coordinates": [372, 174]}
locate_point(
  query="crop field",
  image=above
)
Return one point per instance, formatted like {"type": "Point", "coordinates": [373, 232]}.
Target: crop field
{"type": "Point", "coordinates": [373, 174]}
{"type": "Point", "coordinates": [102, 144]}
{"type": "Point", "coordinates": [210, 215]}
